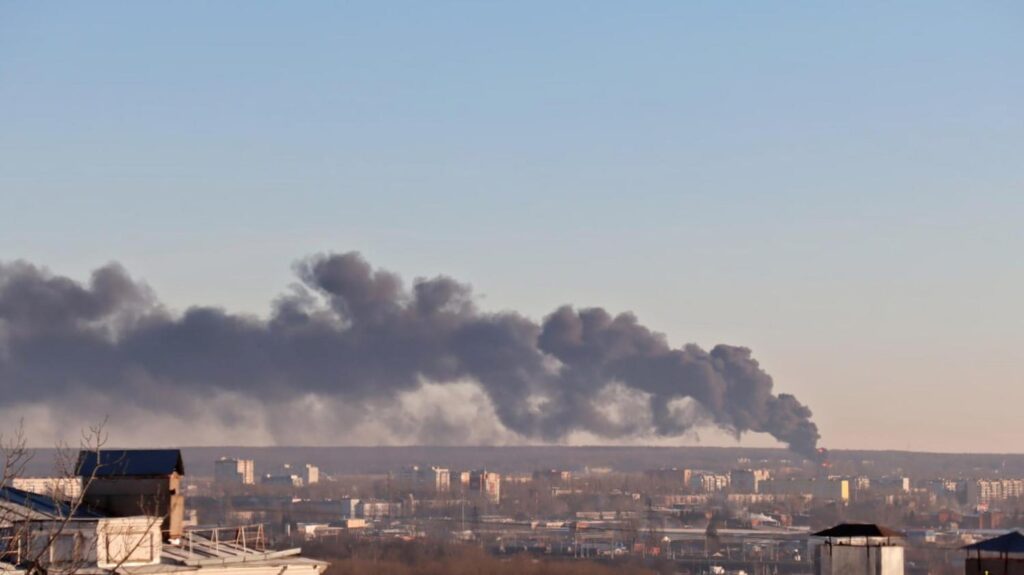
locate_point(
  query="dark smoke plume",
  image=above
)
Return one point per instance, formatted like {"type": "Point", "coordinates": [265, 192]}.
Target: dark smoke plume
{"type": "Point", "coordinates": [354, 333]}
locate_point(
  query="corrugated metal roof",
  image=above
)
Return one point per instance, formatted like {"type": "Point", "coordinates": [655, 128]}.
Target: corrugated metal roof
{"type": "Point", "coordinates": [130, 463]}
{"type": "Point", "coordinates": [858, 530]}
{"type": "Point", "coordinates": [37, 505]}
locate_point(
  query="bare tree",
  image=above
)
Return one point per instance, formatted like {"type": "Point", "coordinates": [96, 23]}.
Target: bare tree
{"type": "Point", "coordinates": [57, 533]}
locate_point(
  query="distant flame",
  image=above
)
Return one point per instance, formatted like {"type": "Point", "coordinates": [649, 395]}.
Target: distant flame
{"type": "Point", "coordinates": [823, 459]}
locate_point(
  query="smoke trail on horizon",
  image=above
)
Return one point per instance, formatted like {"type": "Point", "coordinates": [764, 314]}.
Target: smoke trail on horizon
{"type": "Point", "coordinates": [356, 334]}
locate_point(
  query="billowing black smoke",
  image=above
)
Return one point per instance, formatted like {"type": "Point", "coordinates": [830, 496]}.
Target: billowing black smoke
{"type": "Point", "coordinates": [349, 331]}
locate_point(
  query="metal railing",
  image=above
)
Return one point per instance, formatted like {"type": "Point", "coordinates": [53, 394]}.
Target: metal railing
{"type": "Point", "coordinates": [245, 538]}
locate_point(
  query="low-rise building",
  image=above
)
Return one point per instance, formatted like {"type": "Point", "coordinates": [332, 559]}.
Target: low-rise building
{"type": "Point", "coordinates": [827, 489]}
{"type": "Point", "coordinates": [890, 485]}
{"type": "Point", "coordinates": [376, 509]}
{"type": "Point", "coordinates": [670, 476]}
{"type": "Point", "coordinates": [289, 480]}
{"type": "Point", "coordinates": [57, 487]}
{"type": "Point", "coordinates": [553, 475]}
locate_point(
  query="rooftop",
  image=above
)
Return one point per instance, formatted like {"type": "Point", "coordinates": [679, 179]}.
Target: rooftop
{"type": "Point", "coordinates": [1012, 542]}
{"type": "Point", "coordinates": [844, 530]}
{"type": "Point", "coordinates": [130, 463]}
{"type": "Point", "coordinates": [25, 505]}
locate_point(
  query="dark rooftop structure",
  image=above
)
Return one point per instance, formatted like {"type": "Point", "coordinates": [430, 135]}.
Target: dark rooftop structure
{"type": "Point", "coordinates": [1012, 542]}
{"type": "Point", "coordinates": [134, 482]}
{"type": "Point", "coordinates": [130, 463]}
{"type": "Point", "coordinates": [1003, 555]}
{"type": "Point", "coordinates": [859, 549]}
{"type": "Point", "coordinates": [849, 530]}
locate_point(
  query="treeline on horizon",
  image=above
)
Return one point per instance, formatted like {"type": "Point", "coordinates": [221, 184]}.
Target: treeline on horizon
{"type": "Point", "coordinates": [379, 460]}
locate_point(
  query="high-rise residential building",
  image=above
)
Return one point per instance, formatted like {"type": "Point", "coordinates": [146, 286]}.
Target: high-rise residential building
{"type": "Point", "coordinates": [440, 479]}
{"type": "Point", "coordinates": [747, 480]}
{"type": "Point", "coordinates": [311, 474]}
{"type": "Point", "coordinates": [989, 491]}
{"type": "Point", "coordinates": [434, 479]}
{"type": "Point", "coordinates": [487, 484]}
{"type": "Point", "coordinates": [890, 485]}
{"type": "Point", "coordinates": [706, 482]}
{"type": "Point", "coordinates": [350, 507]}
{"type": "Point", "coordinates": [742, 481]}
{"type": "Point", "coordinates": [231, 470]}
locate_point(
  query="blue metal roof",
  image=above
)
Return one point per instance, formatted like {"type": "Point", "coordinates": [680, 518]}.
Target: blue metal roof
{"type": "Point", "coordinates": [1012, 542]}
{"type": "Point", "coordinates": [45, 504]}
{"type": "Point", "coordinates": [130, 463]}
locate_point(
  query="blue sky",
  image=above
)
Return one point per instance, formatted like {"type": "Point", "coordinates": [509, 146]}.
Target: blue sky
{"type": "Point", "coordinates": [838, 187]}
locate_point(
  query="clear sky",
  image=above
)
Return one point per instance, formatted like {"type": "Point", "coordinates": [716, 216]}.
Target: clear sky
{"type": "Point", "coordinates": [839, 186]}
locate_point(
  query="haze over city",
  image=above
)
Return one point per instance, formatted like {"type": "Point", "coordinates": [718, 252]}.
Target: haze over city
{"type": "Point", "coordinates": [835, 188]}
